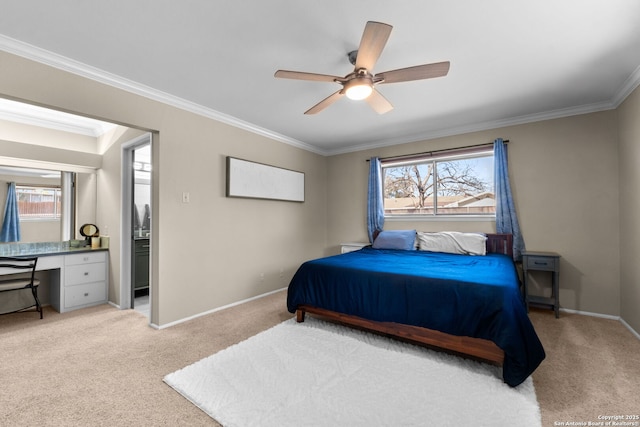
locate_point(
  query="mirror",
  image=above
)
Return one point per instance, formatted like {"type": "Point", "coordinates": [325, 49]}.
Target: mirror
{"type": "Point", "coordinates": [39, 201]}
{"type": "Point", "coordinates": [142, 192]}
{"type": "Point", "coordinates": [89, 230]}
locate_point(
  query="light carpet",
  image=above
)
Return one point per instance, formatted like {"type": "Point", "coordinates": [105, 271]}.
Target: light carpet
{"type": "Point", "coordinates": [321, 374]}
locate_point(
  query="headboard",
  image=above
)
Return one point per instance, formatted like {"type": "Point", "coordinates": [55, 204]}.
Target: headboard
{"type": "Point", "coordinates": [496, 243]}
{"type": "Point", "coordinates": [500, 244]}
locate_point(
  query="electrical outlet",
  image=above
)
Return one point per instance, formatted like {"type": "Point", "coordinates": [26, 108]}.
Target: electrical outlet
{"type": "Point", "coordinates": [186, 197]}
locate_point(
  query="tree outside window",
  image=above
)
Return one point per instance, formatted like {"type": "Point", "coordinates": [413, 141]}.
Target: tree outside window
{"type": "Point", "coordinates": [441, 186]}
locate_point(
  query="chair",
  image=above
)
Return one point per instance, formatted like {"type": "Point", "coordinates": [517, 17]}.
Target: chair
{"type": "Point", "coordinates": [21, 265]}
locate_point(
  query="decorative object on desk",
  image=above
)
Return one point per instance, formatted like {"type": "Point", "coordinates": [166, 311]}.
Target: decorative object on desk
{"type": "Point", "coordinates": [95, 242]}
{"type": "Point", "coordinates": [75, 243]}
{"type": "Point", "coordinates": [88, 231]}
{"type": "Point", "coordinates": [104, 238]}
{"type": "Point", "coordinates": [319, 372]}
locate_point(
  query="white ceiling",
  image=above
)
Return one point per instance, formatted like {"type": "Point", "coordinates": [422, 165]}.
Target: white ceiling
{"type": "Point", "coordinates": [512, 61]}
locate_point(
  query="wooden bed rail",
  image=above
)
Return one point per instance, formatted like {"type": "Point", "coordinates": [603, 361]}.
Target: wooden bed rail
{"type": "Point", "coordinates": [475, 348]}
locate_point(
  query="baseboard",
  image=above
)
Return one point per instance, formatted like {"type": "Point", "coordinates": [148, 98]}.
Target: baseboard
{"type": "Point", "coordinates": [603, 316]}
{"type": "Point", "coordinates": [628, 326]}
{"type": "Point", "coordinates": [186, 319]}
{"type": "Point", "coordinates": [195, 316]}
{"type": "Point", "coordinates": [591, 314]}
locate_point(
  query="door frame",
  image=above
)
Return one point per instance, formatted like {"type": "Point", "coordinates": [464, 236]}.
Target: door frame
{"type": "Point", "coordinates": [126, 220]}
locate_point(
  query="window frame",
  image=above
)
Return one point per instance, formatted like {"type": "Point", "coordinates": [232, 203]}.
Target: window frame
{"type": "Point", "coordinates": [435, 157]}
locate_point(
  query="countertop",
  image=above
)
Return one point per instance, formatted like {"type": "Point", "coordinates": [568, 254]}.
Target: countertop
{"type": "Point", "coordinates": [43, 249]}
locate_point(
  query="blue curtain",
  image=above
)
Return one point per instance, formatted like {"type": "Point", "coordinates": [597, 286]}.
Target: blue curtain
{"type": "Point", "coordinates": [11, 224]}
{"type": "Point", "coordinates": [375, 206]}
{"type": "Point", "coordinates": [506, 217]}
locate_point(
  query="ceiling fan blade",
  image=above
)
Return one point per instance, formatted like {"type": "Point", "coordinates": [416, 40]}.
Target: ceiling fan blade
{"type": "Point", "coordinates": [325, 102]}
{"type": "Point", "coordinates": [299, 75]}
{"type": "Point", "coordinates": [419, 72]}
{"type": "Point", "coordinates": [373, 40]}
{"type": "Point", "coordinates": [379, 103]}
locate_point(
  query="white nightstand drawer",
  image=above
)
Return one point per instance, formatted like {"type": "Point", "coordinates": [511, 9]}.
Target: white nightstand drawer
{"type": "Point", "coordinates": [85, 273]}
{"type": "Point", "coordinates": [89, 293]}
{"type": "Point", "coordinates": [352, 246]}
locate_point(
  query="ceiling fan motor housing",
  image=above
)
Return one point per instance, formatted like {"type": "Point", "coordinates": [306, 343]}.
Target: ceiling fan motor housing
{"type": "Point", "coordinates": [359, 86]}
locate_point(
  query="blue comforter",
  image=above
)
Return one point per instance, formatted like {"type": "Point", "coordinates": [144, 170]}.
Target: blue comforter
{"type": "Point", "coordinates": [475, 296]}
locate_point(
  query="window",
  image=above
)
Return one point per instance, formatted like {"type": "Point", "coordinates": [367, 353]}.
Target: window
{"type": "Point", "coordinates": [436, 185]}
{"type": "Point", "coordinates": [38, 203]}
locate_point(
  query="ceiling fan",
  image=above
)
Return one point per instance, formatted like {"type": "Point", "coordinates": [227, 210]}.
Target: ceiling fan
{"type": "Point", "coordinates": [360, 84]}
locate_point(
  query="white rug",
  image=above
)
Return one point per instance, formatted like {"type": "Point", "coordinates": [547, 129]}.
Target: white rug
{"type": "Point", "coordinates": [320, 374]}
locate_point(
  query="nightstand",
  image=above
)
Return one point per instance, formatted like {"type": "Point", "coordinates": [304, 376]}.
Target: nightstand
{"type": "Point", "coordinates": [352, 246]}
{"type": "Point", "coordinates": [542, 261]}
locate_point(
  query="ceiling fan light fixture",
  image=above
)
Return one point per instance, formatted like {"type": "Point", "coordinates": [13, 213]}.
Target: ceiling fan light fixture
{"type": "Point", "coordinates": [358, 89]}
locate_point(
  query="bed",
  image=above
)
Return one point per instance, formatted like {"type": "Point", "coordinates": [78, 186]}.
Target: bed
{"type": "Point", "coordinates": [465, 304]}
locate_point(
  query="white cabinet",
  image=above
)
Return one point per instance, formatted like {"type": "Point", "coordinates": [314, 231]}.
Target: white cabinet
{"type": "Point", "coordinates": [83, 281]}
{"type": "Point", "coordinates": [352, 246]}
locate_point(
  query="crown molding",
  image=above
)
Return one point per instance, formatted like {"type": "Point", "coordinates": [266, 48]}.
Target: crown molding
{"type": "Point", "coordinates": [481, 126]}
{"type": "Point", "coordinates": [627, 87]}
{"type": "Point", "coordinates": [42, 56]}
{"type": "Point", "coordinates": [63, 63]}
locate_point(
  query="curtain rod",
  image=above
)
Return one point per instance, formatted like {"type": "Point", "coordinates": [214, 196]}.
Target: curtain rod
{"type": "Point", "coordinates": [406, 156]}
{"type": "Point", "coordinates": [18, 184]}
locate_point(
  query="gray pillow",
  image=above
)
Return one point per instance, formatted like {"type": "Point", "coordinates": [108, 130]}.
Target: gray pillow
{"type": "Point", "coordinates": [396, 239]}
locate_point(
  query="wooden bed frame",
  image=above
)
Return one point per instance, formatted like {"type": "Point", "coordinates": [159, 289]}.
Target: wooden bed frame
{"type": "Point", "coordinates": [475, 348]}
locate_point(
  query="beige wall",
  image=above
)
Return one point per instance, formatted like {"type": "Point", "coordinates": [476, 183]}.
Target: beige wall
{"type": "Point", "coordinates": [86, 201]}
{"type": "Point", "coordinates": [565, 183]}
{"type": "Point", "coordinates": [19, 132]}
{"type": "Point", "coordinates": [215, 250]}
{"type": "Point", "coordinates": [629, 119]}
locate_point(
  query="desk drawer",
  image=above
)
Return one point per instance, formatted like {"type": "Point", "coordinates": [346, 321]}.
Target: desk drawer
{"type": "Point", "coordinates": [541, 263]}
{"type": "Point", "coordinates": [89, 293]}
{"type": "Point", "coordinates": [86, 273]}
{"type": "Point", "coordinates": [85, 258]}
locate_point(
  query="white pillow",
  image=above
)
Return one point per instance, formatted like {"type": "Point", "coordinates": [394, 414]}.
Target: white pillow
{"type": "Point", "coordinates": [453, 242]}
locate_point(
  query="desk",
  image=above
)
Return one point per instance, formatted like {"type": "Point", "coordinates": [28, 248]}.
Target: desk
{"type": "Point", "coordinates": [79, 277]}
{"type": "Point", "coordinates": [542, 261]}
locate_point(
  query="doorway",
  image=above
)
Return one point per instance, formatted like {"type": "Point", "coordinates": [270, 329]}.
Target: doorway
{"type": "Point", "coordinates": [136, 225]}
{"type": "Point", "coordinates": [141, 228]}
